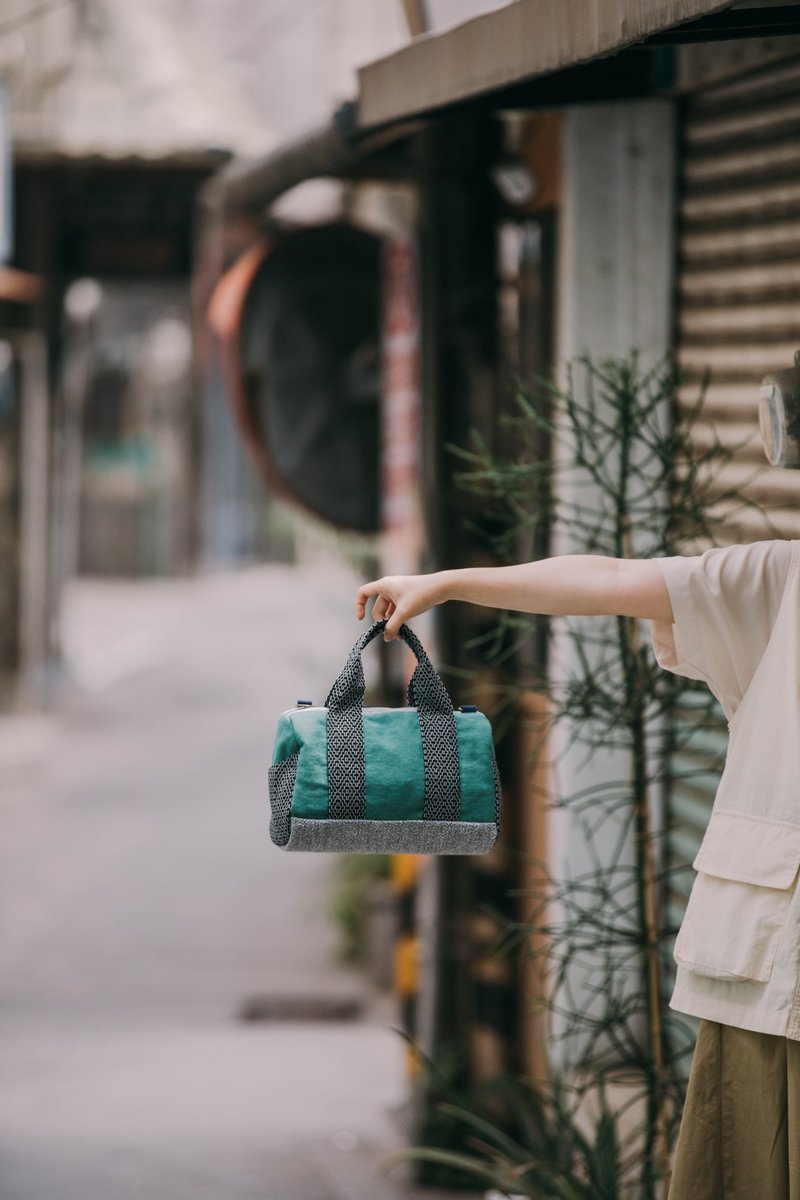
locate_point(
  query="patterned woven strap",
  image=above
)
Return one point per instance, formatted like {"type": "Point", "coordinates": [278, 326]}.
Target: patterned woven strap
{"type": "Point", "coordinates": [346, 761]}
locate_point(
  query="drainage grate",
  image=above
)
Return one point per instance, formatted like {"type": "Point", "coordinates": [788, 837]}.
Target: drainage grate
{"type": "Point", "coordinates": [301, 1007]}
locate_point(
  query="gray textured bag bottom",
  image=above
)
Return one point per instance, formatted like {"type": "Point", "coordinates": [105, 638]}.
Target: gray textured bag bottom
{"type": "Point", "coordinates": [392, 837]}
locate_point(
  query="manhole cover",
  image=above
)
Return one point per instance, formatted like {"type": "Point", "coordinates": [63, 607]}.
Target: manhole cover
{"type": "Point", "coordinates": [302, 1007]}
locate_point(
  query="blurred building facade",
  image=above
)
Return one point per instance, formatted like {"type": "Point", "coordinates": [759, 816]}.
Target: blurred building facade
{"type": "Point", "coordinates": [117, 115]}
{"type": "Point", "coordinates": [294, 64]}
{"type": "Point", "coordinates": [499, 199]}
{"type": "Point", "coordinates": [585, 187]}
{"type": "Point", "coordinates": [117, 118]}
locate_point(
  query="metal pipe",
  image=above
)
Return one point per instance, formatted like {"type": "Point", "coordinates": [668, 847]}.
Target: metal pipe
{"type": "Point", "coordinates": [251, 185]}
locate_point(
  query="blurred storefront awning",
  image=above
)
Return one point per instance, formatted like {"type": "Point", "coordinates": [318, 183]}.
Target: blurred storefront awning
{"type": "Point", "coordinates": [522, 40]}
{"type": "Point", "coordinates": [135, 85]}
{"type": "Point", "coordinates": [337, 149]}
{"type": "Point", "coordinates": [570, 51]}
{"type": "Point", "coordinates": [327, 151]}
{"type": "Point", "coordinates": [19, 287]}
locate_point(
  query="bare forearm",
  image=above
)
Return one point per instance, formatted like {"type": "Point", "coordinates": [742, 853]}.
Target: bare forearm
{"type": "Point", "coordinates": [572, 584]}
{"type": "Point", "coordinates": [566, 585]}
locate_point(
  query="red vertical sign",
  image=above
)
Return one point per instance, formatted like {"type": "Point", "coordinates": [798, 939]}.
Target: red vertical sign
{"type": "Point", "coordinates": [401, 521]}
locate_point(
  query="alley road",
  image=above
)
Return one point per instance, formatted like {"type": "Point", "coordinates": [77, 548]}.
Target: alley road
{"type": "Point", "coordinates": [142, 903]}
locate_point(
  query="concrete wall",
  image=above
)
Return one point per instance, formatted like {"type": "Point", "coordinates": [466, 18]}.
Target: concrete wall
{"type": "Point", "coordinates": [615, 267]}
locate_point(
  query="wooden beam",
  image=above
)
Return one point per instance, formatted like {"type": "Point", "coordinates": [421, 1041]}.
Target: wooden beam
{"type": "Point", "coordinates": [20, 287]}
{"type": "Point", "coordinates": [518, 41]}
{"type": "Point", "coordinates": [416, 17]}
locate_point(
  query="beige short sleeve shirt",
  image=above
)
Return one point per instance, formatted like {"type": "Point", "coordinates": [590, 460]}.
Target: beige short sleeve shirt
{"type": "Point", "coordinates": [736, 627]}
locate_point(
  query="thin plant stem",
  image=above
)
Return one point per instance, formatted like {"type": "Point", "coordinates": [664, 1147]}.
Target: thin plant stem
{"type": "Point", "coordinates": [604, 956]}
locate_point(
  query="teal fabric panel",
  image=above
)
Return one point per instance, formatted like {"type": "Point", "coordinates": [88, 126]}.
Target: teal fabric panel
{"type": "Point", "coordinates": [395, 775]}
{"type": "Point", "coordinates": [311, 786]}
{"type": "Point", "coordinates": [285, 740]}
{"type": "Point", "coordinates": [475, 761]}
{"type": "Point", "coordinates": [394, 765]}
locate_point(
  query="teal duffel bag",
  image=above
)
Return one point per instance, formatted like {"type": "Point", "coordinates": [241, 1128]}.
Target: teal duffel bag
{"type": "Point", "coordinates": [415, 780]}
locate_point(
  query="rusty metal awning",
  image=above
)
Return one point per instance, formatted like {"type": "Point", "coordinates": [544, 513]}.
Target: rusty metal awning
{"type": "Point", "coordinates": [20, 287]}
{"type": "Point", "coordinates": [335, 149]}
{"type": "Point", "coordinates": [326, 151]}
{"type": "Point", "coordinates": [535, 42]}
{"type": "Point", "coordinates": [520, 41]}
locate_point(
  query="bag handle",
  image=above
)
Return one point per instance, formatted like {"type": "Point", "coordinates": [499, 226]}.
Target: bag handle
{"type": "Point", "coordinates": [425, 689]}
{"type": "Point", "coordinates": [347, 779]}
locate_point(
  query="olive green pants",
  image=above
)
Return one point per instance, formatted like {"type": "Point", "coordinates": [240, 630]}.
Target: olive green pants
{"type": "Point", "coordinates": [739, 1137]}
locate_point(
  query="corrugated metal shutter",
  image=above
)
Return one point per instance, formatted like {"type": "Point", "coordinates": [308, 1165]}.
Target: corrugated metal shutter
{"type": "Point", "coordinates": [739, 273]}
{"type": "Point", "coordinates": [738, 314]}
{"type": "Point", "coordinates": [698, 740]}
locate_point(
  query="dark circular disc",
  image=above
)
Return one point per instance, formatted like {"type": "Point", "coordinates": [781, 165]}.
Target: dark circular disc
{"type": "Point", "coordinates": [309, 350]}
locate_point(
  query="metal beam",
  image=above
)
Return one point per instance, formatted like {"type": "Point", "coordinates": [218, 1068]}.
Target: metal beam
{"type": "Point", "coordinates": [519, 41]}
{"type": "Point", "coordinates": [416, 17]}
{"type": "Point", "coordinates": [776, 20]}
{"type": "Point", "coordinates": [252, 184]}
{"type": "Point", "coordinates": [331, 151]}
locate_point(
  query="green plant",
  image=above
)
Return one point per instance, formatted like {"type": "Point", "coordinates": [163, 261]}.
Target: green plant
{"type": "Point", "coordinates": [631, 481]}
{"type": "Point", "coordinates": [353, 875]}
{"type": "Point", "coordinates": [544, 1146]}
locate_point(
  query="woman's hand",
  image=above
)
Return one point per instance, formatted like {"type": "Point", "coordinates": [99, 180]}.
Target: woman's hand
{"type": "Point", "coordinates": [399, 598]}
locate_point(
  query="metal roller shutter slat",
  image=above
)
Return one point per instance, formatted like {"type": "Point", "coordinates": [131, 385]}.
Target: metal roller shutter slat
{"type": "Point", "coordinates": [733, 361]}
{"type": "Point", "coordinates": [745, 203]}
{"type": "Point", "coordinates": [744, 318]}
{"type": "Point", "coordinates": [747, 282]}
{"type": "Point", "coordinates": [738, 313]}
{"type": "Point", "coordinates": [750, 244]}
{"type": "Point", "coordinates": [761, 121]}
{"type": "Point", "coordinates": [771, 80]}
{"type": "Point", "coordinates": [722, 168]}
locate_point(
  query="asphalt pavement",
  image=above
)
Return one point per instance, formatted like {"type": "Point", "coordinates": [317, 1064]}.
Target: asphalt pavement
{"type": "Point", "coordinates": [143, 907]}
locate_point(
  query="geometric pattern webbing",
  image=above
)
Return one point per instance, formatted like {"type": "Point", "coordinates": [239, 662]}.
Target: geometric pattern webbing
{"type": "Point", "coordinates": [437, 725]}
{"type": "Point", "coordinates": [281, 779]}
{"type": "Point", "coordinates": [346, 760]}
{"type": "Point", "coordinates": [347, 768]}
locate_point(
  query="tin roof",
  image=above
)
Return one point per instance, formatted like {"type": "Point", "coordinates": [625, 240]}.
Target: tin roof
{"type": "Point", "coordinates": [138, 84]}
{"type": "Point", "coordinates": [519, 41]}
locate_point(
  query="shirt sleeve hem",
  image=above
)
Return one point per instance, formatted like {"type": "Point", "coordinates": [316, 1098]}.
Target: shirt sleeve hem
{"type": "Point", "coordinates": [678, 647]}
